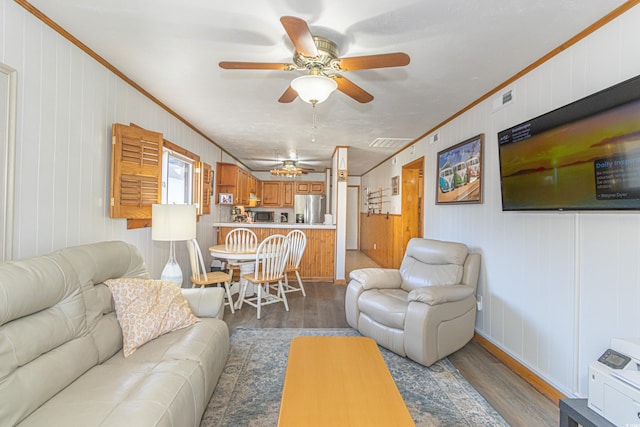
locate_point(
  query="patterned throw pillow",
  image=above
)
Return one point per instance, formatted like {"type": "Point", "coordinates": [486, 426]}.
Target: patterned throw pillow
{"type": "Point", "coordinates": [147, 309]}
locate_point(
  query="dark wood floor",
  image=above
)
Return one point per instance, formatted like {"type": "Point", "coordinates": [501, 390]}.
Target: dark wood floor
{"type": "Point", "coordinates": [323, 307]}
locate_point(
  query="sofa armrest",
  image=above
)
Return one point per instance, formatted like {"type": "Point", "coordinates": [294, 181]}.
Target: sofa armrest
{"type": "Point", "coordinates": [377, 278]}
{"type": "Point", "coordinates": [205, 302]}
{"type": "Point", "coordinates": [434, 295]}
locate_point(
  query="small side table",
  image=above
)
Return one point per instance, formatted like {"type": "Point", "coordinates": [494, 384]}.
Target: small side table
{"type": "Point", "coordinates": [576, 411]}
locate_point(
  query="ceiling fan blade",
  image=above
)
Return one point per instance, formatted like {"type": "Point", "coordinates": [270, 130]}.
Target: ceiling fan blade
{"type": "Point", "coordinates": [231, 65]}
{"type": "Point", "coordinates": [288, 96]}
{"type": "Point", "coordinates": [353, 90]}
{"type": "Point", "coordinates": [300, 36]}
{"type": "Point", "coordinates": [397, 59]}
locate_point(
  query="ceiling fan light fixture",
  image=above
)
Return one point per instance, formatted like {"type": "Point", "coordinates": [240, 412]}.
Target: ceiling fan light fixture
{"type": "Point", "coordinates": [314, 89]}
{"type": "Point", "coordinates": [287, 173]}
{"type": "Point", "coordinates": [289, 169]}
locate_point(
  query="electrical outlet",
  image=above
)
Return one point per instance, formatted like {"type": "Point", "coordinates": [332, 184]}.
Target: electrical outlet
{"type": "Point", "coordinates": [479, 302]}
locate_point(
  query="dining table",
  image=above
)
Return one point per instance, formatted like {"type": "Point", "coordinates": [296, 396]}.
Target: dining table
{"type": "Point", "coordinates": [244, 259]}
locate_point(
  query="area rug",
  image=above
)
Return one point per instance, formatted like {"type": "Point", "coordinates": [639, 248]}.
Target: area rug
{"type": "Point", "coordinates": [249, 390]}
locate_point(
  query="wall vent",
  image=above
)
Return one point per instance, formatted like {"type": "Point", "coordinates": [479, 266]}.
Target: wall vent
{"type": "Point", "coordinates": [433, 139]}
{"type": "Point", "coordinates": [505, 98]}
{"type": "Point", "coordinates": [391, 143]}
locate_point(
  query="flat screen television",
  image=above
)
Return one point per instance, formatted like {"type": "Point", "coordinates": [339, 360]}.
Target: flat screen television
{"type": "Point", "coordinates": [583, 156]}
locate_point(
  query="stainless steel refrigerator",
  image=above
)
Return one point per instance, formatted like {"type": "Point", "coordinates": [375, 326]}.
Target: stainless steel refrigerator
{"type": "Point", "coordinates": [309, 208]}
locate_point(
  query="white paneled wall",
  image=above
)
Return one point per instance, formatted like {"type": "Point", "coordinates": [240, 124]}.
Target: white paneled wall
{"type": "Point", "coordinates": [66, 105]}
{"type": "Point", "coordinates": [556, 287]}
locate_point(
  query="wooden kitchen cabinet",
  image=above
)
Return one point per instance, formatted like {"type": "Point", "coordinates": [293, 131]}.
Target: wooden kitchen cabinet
{"type": "Point", "coordinates": [253, 185]}
{"type": "Point", "coordinates": [287, 194]}
{"type": "Point", "coordinates": [309, 187]}
{"type": "Point", "coordinates": [277, 194]}
{"type": "Point", "coordinates": [243, 188]}
{"type": "Point", "coordinates": [271, 194]}
{"type": "Point", "coordinates": [234, 180]}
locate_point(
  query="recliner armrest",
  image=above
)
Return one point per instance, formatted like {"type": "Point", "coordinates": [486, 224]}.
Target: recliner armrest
{"type": "Point", "coordinates": [434, 295]}
{"type": "Point", "coordinates": [377, 278]}
{"type": "Point", "coordinates": [205, 302]}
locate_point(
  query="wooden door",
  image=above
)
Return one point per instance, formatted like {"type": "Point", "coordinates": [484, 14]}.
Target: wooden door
{"type": "Point", "coordinates": [412, 201]}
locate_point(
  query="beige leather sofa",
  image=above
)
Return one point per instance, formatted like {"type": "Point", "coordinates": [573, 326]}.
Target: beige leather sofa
{"type": "Point", "coordinates": [426, 310]}
{"type": "Point", "coordinates": [61, 362]}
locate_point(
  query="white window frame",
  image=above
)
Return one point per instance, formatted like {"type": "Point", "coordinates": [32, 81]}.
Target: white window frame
{"type": "Point", "coordinates": [166, 155]}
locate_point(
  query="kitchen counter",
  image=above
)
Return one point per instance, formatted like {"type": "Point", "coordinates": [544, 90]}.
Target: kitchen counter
{"type": "Point", "coordinates": [287, 225]}
{"type": "Point", "coordinates": [318, 260]}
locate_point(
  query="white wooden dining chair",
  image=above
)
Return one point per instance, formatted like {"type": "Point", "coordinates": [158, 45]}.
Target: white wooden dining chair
{"type": "Point", "coordinates": [200, 276]}
{"type": "Point", "coordinates": [238, 240]}
{"type": "Point", "coordinates": [271, 257]}
{"type": "Point", "coordinates": [297, 245]}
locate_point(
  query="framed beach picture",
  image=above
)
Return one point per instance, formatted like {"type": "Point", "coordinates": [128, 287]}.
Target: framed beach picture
{"type": "Point", "coordinates": [459, 172]}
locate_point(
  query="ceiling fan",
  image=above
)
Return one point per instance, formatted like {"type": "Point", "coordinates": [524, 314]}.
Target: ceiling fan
{"type": "Point", "coordinates": [319, 57]}
{"type": "Point", "coordinates": [290, 168]}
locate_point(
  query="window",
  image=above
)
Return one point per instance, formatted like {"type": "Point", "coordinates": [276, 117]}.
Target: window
{"type": "Point", "coordinates": [148, 169]}
{"type": "Point", "coordinates": [177, 178]}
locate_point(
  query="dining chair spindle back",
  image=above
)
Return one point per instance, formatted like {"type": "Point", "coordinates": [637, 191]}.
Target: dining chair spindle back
{"type": "Point", "coordinates": [297, 243]}
{"type": "Point", "coordinates": [200, 276]}
{"type": "Point", "coordinates": [271, 257]}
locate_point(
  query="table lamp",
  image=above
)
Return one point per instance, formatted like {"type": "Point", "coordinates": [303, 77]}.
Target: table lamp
{"type": "Point", "coordinates": [173, 223]}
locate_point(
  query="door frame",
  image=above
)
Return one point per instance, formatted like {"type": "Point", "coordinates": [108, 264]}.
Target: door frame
{"type": "Point", "coordinates": [357, 214]}
{"type": "Point", "coordinates": [7, 163]}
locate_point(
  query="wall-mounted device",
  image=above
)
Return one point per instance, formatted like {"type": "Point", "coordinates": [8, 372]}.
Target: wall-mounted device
{"type": "Point", "coordinates": [614, 382]}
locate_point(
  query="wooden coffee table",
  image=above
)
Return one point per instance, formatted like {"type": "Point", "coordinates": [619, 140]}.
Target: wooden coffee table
{"type": "Point", "coordinates": [339, 381]}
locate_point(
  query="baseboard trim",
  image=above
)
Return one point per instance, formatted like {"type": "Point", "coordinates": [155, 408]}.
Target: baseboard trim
{"type": "Point", "coordinates": [523, 372]}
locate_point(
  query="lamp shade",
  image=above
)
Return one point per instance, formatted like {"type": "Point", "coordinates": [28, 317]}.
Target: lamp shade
{"type": "Point", "coordinates": [314, 88]}
{"type": "Point", "coordinates": [173, 222]}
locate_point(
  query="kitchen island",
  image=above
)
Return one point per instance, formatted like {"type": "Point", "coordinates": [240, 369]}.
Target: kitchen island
{"type": "Point", "coordinates": [318, 261]}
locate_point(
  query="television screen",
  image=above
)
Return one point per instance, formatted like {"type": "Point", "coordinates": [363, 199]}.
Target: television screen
{"type": "Point", "coordinates": [583, 156]}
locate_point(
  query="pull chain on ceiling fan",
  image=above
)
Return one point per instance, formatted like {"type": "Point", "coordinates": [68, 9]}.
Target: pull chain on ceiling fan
{"type": "Point", "coordinates": [319, 57]}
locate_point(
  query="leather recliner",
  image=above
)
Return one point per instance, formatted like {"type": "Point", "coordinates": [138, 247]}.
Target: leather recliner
{"type": "Point", "coordinates": [425, 310]}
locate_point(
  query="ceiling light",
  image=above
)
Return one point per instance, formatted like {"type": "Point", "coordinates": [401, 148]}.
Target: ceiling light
{"type": "Point", "coordinates": [288, 173]}
{"type": "Point", "coordinates": [288, 169]}
{"type": "Point", "coordinates": [314, 88]}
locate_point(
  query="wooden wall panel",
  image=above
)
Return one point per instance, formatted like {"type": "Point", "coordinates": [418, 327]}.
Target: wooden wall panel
{"type": "Point", "coordinates": [381, 238]}
{"type": "Point", "coordinates": [317, 263]}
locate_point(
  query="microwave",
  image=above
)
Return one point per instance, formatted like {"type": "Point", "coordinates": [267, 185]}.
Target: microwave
{"type": "Point", "coordinates": [263, 216]}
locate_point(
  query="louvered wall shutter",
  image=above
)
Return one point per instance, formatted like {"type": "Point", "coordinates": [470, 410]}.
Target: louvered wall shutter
{"type": "Point", "coordinates": [136, 171]}
{"type": "Point", "coordinates": [204, 188]}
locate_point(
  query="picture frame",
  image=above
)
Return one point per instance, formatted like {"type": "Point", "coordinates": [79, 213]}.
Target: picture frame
{"type": "Point", "coordinates": [459, 172]}
{"type": "Point", "coordinates": [225, 198]}
{"type": "Point", "coordinates": [395, 186]}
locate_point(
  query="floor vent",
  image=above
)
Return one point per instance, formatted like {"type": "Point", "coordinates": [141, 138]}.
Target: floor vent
{"type": "Point", "coordinates": [390, 143]}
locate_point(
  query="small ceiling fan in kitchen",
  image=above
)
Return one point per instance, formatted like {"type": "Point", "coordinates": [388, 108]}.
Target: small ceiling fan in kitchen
{"type": "Point", "coordinates": [290, 169]}
{"type": "Point", "coordinates": [318, 57]}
